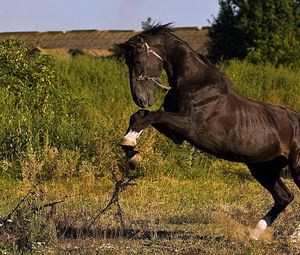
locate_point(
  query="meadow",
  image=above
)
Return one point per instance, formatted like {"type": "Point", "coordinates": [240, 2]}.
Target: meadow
{"type": "Point", "coordinates": [64, 155]}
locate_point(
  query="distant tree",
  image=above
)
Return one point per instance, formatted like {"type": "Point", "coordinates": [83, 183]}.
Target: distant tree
{"type": "Point", "coordinates": [260, 30]}
{"type": "Point", "coordinates": [228, 40]}
{"type": "Point", "coordinates": [147, 24]}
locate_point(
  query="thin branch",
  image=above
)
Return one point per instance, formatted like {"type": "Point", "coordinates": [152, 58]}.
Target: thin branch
{"type": "Point", "coordinates": [30, 192]}
{"type": "Point", "coordinates": [51, 204]}
{"type": "Point", "coordinates": [119, 187]}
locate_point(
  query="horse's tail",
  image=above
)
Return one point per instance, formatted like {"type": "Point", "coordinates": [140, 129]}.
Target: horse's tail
{"type": "Point", "coordinates": [297, 131]}
{"type": "Point", "coordinates": [294, 158]}
{"type": "Point", "coordinates": [294, 163]}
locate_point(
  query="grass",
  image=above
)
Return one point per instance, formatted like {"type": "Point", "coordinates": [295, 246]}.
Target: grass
{"type": "Point", "coordinates": [274, 85]}
{"type": "Point", "coordinates": [186, 202]}
{"type": "Point", "coordinates": [201, 216]}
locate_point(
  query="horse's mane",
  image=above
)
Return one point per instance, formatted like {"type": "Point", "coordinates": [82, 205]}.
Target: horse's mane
{"type": "Point", "coordinates": [154, 29]}
{"type": "Point", "coordinates": [158, 29]}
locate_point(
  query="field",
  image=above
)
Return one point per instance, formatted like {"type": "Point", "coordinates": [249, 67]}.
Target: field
{"type": "Point", "coordinates": [66, 160]}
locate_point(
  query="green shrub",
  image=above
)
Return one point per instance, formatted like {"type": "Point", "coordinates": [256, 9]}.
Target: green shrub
{"type": "Point", "coordinates": [260, 30]}
{"type": "Point", "coordinates": [32, 102]}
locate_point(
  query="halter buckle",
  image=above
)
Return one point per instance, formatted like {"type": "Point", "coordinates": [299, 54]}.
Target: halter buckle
{"type": "Point", "coordinates": [141, 78]}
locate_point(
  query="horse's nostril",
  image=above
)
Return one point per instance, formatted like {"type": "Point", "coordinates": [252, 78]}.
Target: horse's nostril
{"type": "Point", "coordinates": [150, 100]}
{"type": "Point", "coordinates": [141, 103]}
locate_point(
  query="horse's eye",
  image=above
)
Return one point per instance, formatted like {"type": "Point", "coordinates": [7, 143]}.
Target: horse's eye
{"type": "Point", "coordinates": [139, 51]}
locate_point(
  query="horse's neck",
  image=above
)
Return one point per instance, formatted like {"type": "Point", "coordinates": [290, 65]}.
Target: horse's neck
{"type": "Point", "coordinates": [186, 68]}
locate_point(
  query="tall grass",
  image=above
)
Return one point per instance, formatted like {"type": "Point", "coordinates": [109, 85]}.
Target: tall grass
{"type": "Point", "coordinates": [93, 107]}
{"type": "Point", "coordinates": [102, 88]}
{"type": "Point", "coordinates": [264, 82]}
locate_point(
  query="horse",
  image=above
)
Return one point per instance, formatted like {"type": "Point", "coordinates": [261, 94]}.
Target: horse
{"type": "Point", "coordinates": [203, 108]}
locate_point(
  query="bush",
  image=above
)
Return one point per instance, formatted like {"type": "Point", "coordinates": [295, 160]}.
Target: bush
{"type": "Point", "coordinates": [25, 85]}
{"type": "Point", "coordinates": [31, 99]}
{"type": "Point", "coordinates": [56, 105]}
{"type": "Point", "coordinates": [261, 30]}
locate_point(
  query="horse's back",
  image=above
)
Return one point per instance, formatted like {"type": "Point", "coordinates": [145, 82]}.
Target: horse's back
{"type": "Point", "coordinates": [242, 129]}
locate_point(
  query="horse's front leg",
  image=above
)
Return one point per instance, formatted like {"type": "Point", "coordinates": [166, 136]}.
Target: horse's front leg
{"type": "Point", "coordinates": [142, 119]}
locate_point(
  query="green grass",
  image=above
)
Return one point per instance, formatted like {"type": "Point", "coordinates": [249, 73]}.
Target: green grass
{"type": "Point", "coordinates": [274, 85]}
{"type": "Point", "coordinates": [207, 205]}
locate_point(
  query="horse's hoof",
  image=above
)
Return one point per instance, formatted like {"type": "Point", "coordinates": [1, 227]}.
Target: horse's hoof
{"type": "Point", "coordinates": [126, 142]}
{"type": "Point", "coordinates": [133, 161]}
{"type": "Point", "coordinates": [259, 230]}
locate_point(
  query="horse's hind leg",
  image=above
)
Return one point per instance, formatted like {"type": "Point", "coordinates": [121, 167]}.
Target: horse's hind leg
{"type": "Point", "coordinates": [294, 165]}
{"type": "Point", "coordinates": [267, 174]}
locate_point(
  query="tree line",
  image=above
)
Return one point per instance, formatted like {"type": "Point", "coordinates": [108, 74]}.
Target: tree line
{"type": "Point", "coordinates": [257, 30]}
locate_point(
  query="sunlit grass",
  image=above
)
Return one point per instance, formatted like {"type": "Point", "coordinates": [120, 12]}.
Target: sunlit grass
{"type": "Point", "coordinates": [216, 214]}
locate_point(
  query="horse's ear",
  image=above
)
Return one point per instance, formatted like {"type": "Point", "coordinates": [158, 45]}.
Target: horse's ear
{"type": "Point", "coordinates": [140, 41]}
{"type": "Point", "coordinates": [122, 46]}
{"type": "Point", "coordinates": [125, 46]}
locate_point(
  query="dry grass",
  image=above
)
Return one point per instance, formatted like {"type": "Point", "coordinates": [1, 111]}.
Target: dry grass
{"type": "Point", "coordinates": [211, 214]}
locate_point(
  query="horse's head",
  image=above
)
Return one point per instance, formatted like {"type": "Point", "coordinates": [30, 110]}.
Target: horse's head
{"type": "Point", "coordinates": [145, 68]}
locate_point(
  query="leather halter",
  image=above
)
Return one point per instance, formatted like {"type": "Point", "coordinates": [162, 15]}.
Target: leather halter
{"type": "Point", "coordinates": [157, 81]}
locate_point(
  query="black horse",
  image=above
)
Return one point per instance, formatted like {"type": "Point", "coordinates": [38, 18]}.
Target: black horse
{"type": "Point", "coordinates": [203, 108]}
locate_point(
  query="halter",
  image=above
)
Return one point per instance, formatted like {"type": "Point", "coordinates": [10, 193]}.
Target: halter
{"type": "Point", "coordinates": [142, 77]}
{"type": "Point", "coordinates": [149, 50]}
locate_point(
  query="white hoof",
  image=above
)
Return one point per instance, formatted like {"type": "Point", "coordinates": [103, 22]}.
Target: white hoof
{"type": "Point", "coordinates": [130, 138]}
{"type": "Point", "coordinates": [259, 230]}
